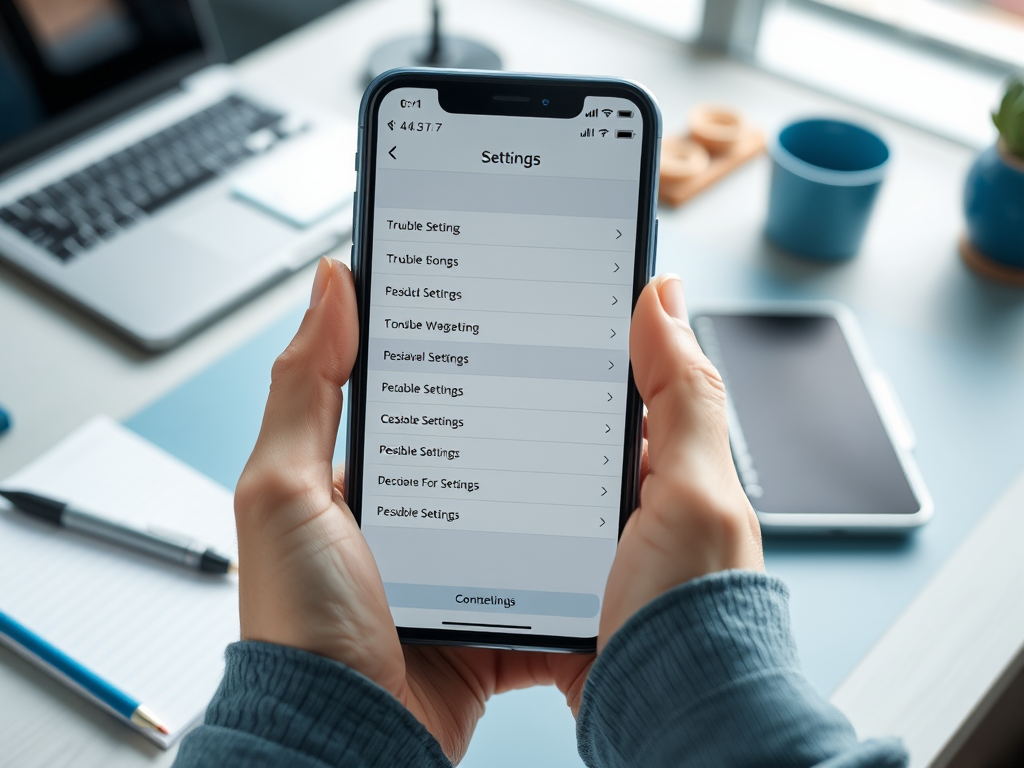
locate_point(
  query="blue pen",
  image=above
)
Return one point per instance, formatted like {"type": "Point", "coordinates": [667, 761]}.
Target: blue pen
{"type": "Point", "coordinates": [81, 679]}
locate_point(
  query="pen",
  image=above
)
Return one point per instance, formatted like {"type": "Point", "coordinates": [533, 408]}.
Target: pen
{"type": "Point", "coordinates": [83, 680]}
{"type": "Point", "coordinates": [182, 550]}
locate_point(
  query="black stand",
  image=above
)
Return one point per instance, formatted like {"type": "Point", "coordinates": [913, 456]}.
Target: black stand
{"type": "Point", "coordinates": [432, 50]}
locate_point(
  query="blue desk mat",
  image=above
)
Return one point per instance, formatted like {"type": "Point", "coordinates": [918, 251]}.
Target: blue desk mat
{"type": "Point", "coordinates": [964, 400]}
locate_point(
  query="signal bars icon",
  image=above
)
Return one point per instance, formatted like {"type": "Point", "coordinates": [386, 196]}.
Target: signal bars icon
{"type": "Point", "coordinates": [591, 113]}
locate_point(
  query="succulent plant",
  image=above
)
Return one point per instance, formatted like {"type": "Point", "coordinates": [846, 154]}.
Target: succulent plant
{"type": "Point", "coordinates": [1010, 117]}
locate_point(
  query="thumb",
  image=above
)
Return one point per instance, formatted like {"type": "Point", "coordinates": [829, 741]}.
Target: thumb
{"type": "Point", "coordinates": [684, 394]}
{"type": "Point", "coordinates": [300, 423]}
{"type": "Point", "coordinates": [693, 517]}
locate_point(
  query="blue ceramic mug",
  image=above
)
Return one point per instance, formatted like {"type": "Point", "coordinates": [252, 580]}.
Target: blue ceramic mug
{"type": "Point", "coordinates": [825, 177]}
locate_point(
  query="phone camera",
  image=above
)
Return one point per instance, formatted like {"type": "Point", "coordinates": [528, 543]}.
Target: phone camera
{"type": "Point", "coordinates": [544, 102]}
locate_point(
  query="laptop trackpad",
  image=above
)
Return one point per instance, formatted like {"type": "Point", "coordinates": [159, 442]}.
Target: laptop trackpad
{"type": "Point", "coordinates": [232, 230]}
{"type": "Point", "coordinates": [305, 180]}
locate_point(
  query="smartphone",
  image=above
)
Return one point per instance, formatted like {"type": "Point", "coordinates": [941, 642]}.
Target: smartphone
{"type": "Point", "coordinates": [818, 437]}
{"type": "Point", "coordinates": [504, 228]}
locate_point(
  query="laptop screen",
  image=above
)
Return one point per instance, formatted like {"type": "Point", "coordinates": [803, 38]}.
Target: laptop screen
{"type": "Point", "coordinates": [59, 57]}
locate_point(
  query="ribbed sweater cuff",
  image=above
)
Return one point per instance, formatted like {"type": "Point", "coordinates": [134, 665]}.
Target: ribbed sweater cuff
{"type": "Point", "coordinates": [707, 674]}
{"type": "Point", "coordinates": [319, 708]}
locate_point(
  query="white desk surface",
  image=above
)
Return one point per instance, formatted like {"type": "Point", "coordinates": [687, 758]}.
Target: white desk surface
{"type": "Point", "coordinates": [57, 368]}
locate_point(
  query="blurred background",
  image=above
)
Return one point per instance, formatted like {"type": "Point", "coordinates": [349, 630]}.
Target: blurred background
{"type": "Point", "coordinates": [937, 64]}
{"type": "Point", "coordinates": [953, 343]}
{"type": "Point", "coordinates": [245, 25]}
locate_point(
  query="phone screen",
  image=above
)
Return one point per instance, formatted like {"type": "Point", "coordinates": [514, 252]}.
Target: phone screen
{"type": "Point", "coordinates": [806, 435]}
{"type": "Point", "coordinates": [501, 277]}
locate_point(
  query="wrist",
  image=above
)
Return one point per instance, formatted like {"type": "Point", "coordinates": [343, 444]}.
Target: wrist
{"type": "Point", "coordinates": [715, 627]}
{"type": "Point", "coordinates": [315, 706]}
{"type": "Point", "coordinates": [704, 661]}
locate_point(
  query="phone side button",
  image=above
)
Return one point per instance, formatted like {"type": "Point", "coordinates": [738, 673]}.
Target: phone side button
{"type": "Point", "coordinates": [653, 256]}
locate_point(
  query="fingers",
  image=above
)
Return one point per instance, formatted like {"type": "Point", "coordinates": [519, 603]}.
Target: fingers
{"type": "Point", "coordinates": [693, 517]}
{"type": "Point", "coordinates": [645, 459]}
{"type": "Point", "coordinates": [339, 481]}
{"type": "Point", "coordinates": [300, 423]}
{"type": "Point", "coordinates": [686, 427]}
{"type": "Point", "coordinates": [566, 671]}
{"type": "Point", "coordinates": [570, 675]}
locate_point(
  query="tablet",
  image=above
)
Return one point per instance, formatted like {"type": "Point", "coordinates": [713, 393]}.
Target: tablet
{"type": "Point", "coordinates": [817, 437]}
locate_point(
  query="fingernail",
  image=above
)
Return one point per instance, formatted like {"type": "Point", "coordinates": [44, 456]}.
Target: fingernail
{"type": "Point", "coordinates": [673, 297]}
{"type": "Point", "coordinates": [320, 281]}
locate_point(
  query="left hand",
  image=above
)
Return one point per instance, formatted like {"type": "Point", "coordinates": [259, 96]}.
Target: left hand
{"type": "Point", "coordinates": [307, 578]}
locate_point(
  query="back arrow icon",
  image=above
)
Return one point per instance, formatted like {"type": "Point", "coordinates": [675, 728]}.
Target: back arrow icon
{"type": "Point", "coordinates": [392, 152]}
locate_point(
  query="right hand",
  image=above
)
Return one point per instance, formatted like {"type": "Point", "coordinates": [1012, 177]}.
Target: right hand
{"type": "Point", "coordinates": [694, 518]}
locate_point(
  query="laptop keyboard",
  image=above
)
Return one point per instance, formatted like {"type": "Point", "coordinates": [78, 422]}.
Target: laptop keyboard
{"type": "Point", "coordinates": [93, 205]}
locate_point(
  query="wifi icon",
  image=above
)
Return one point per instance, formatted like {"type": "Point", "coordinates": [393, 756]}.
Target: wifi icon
{"type": "Point", "coordinates": [603, 132]}
{"type": "Point", "coordinates": [607, 112]}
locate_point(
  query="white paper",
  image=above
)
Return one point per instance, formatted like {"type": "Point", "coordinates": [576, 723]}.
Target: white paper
{"type": "Point", "coordinates": [154, 630]}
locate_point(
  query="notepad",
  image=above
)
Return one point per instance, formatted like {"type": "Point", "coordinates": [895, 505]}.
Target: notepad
{"type": "Point", "coordinates": [152, 629]}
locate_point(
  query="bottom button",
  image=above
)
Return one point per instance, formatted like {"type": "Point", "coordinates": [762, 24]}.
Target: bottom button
{"type": "Point", "coordinates": [502, 601]}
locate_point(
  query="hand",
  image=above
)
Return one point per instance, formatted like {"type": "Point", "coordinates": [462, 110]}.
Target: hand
{"type": "Point", "coordinates": [694, 518]}
{"type": "Point", "coordinates": [307, 578]}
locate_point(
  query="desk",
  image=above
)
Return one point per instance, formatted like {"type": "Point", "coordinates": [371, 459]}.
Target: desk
{"type": "Point", "coordinates": [943, 336]}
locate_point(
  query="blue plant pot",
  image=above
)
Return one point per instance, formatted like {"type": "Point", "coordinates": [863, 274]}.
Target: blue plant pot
{"type": "Point", "coordinates": [994, 206]}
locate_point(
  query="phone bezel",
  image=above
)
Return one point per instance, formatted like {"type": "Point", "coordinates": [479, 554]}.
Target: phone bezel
{"type": "Point", "coordinates": [835, 523]}
{"type": "Point", "coordinates": [560, 92]}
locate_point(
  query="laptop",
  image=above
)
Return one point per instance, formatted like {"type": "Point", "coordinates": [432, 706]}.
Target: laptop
{"type": "Point", "coordinates": [141, 180]}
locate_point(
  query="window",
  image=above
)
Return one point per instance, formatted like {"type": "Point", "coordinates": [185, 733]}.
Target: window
{"type": "Point", "coordinates": [991, 30]}
{"type": "Point", "coordinates": [936, 64]}
{"type": "Point", "coordinates": [680, 19]}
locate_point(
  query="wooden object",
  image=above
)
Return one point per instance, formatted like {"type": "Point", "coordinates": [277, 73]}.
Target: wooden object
{"type": "Point", "coordinates": [728, 141]}
{"type": "Point", "coordinates": [682, 159]}
{"type": "Point", "coordinates": [989, 268]}
{"type": "Point", "coordinates": [716, 128]}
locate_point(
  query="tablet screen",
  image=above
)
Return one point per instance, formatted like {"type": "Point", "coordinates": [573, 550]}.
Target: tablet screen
{"type": "Point", "coordinates": [806, 436]}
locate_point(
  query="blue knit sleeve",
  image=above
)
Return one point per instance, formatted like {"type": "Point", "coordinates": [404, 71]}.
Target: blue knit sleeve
{"type": "Point", "coordinates": [707, 675]}
{"type": "Point", "coordinates": [280, 706]}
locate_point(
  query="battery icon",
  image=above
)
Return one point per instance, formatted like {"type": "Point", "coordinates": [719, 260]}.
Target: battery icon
{"type": "Point", "coordinates": [623, 134]}
{"type": "Point", "coordinates": [625, 113]}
